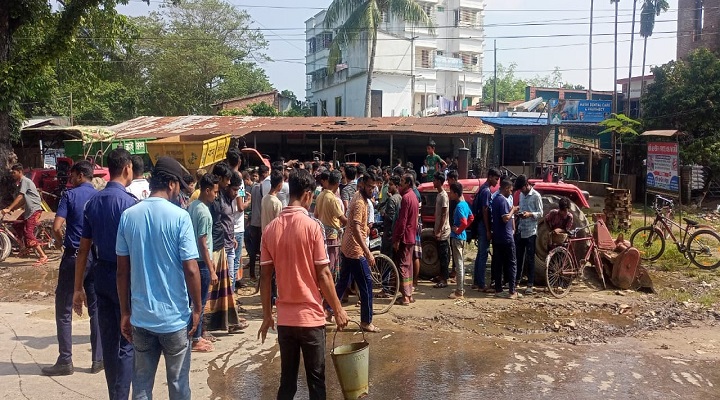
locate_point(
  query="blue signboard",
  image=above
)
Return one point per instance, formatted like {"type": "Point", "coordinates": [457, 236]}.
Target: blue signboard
{"type": "Point", "coordinates": [578, 111]}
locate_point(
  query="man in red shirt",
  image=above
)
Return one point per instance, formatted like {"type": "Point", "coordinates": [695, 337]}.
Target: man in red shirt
{"type": "Point", "coordinates": [404, 236]}
{"type": "Point", "coordinates": [293, 247]}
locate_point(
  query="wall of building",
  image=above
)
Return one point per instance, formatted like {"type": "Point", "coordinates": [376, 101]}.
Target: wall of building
{"type": "Point", "coordinates": [268, 98]}
{"type": "Point", "coordinates": [698, 23]}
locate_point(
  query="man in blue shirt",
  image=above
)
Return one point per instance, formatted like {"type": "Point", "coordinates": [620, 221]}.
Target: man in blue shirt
{"type": "Point", "coordinates": [70, 213]}
{"type": "Point", "coordinates": [502, 239]}
{"type": "Point", "coordinates": [481, 209]}
{"type": "Point", "coordinates": [530, 212]}
{"type": "Point", "coordinates": [154, 279]}
{"type": "Point", "coordinates": [461, 220]}
{"type": "Point", "coordinates": [100, 222]}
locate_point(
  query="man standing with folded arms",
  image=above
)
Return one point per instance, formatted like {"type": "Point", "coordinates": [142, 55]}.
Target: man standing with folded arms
{"type": "Point", "coordinates": [293, 247]}
{"type": "Point", "coordinates": [70, 213]}
{"type": "Point", "coordinates": [404, 236]}
{"type": "Point", "coordinates": [100, 222]}
{"type": "Point", "coordinates": [157, 268]}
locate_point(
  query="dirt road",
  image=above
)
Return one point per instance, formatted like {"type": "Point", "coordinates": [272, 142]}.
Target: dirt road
{"type": "Point", "coordinates": [594, 343]}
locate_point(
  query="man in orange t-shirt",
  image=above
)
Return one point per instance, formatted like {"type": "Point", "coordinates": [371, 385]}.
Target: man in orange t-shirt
{"type": "Point", "coordinates": [293, 247]}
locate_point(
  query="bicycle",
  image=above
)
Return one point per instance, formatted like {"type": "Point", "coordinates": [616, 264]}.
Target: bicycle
{"type": "Point", "coordinates": [562, 265]}
{"type": "Point", "coordinates": [698, 243]}
{"type": "Point", "coordinates": [9, 242]}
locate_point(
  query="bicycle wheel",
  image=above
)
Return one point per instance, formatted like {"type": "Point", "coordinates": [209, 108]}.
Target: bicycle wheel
{"type": "Point", "coordinates": [5, 246]}
{"type": "Point", "coordinates": [560, 271]}
{"type": "Point", "coordinates": [649, 241]}
{"type": "Point", "coordinates": [704, 249]}
{"type": "Point", "coordinates": [386, 283]}
{"type": "Point", "coordinates": [43, 233]}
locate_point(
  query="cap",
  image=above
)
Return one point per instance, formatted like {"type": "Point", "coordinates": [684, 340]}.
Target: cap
{"type": "Point", "coordinates": [520, 182]}
{"type": "Point", "coordinates": [170, 166]}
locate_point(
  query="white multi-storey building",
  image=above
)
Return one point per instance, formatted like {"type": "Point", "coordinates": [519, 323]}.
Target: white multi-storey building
{"type": "Point", "coordinates": [415, 73]}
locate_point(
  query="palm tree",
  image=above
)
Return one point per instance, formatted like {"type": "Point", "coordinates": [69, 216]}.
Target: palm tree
{"type": "Point", "coordinates": [650, 9]}
{"type": "Point", "coordinates": [357, 16]}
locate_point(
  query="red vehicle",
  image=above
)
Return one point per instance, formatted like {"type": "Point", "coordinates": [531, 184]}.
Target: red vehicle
{"type": "Point", "coordinates": [52, 182]}
{"type": "Point", "coordinates": [429, 265]}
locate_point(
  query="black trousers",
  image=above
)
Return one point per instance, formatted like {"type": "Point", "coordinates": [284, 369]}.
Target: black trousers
{"type": "Point", "coordinates": [254, 234]}
{"type": "Point", "coordinates": [311, 341]}
{"type": "Point", "coordinates": [443, 247]}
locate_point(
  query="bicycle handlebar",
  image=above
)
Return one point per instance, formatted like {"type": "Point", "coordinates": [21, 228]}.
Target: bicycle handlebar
{"type": "Point", "coordinates": [665, 200]}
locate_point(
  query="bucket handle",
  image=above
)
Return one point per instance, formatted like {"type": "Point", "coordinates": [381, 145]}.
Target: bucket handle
{"type": "Point", "coordinates": [337, 330]}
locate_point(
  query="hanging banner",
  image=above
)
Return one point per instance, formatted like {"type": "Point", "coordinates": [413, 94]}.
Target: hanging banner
{"type": "Point", "coordinates": [662, 166]}
{"type": "Point", "coordinates": [578, 111]}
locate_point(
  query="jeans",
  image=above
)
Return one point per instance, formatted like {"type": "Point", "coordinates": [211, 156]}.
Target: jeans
{"type": "Point", "coordinates": [204, 291]}
{"type": "Point", "coordinates": [481, 259]}
{"type": "Point", "coordinates": [237, 265]}
{"type": "Point", "coordinates": [525, 254]}
{"type": "Point", "coordinates": [443, 247]}
{"type": "Point", "coordinates": [63, 307]}
{"type": "Point", "coordinates": [311, 341]}
{"type": "Point", "coordinates": [175, 347]}
{"type": "Point", "coordinates": [504, 257]}
{"type": "Point", "coordinates": [118, 353]}
{"type": "Point", "coordinates": [457, 246]}
{"type": "Point", "coordinates": [359, 270]}
{"type": "Point", "coordinates": [230, 254]}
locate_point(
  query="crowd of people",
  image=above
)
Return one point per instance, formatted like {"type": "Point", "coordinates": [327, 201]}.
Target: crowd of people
{"type": "Point", "coordinates": [158, 261]}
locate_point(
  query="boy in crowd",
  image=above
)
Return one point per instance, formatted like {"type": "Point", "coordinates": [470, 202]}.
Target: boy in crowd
{"type": "Point", "coordinates": [461, 220]}
{"type": "Point", "coordinates": [442, 229]}
{"type": "Point", "coordinates": [28, 198]}
{"type": "Point", "coordinates": [271, 206]}
{"type": "Point", "coordinates": [328, 210]}
{"type": "Point", "coordinates": [139, 187]}
{"type": "Point", "coordinates": [482, 212]}
{"type": "Point", "coordinates": [503, 241]}
{"type": "Point", "coordinates": [529, 213]}
{"type": "Point", "coordinates": [433, 162]}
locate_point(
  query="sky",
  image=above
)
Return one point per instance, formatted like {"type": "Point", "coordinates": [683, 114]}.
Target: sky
{"type": "Point", "coordinates": [537, 36]}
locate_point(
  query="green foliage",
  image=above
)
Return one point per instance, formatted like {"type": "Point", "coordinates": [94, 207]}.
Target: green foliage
{"type": "Point", "coordinates": [650, 10]}
{"type": "Point", "coordinates": [509, 87]}
{"type": "Point", "coordinates": [261, 109]}
{"type": "Point", "coordinates": [685, 95]}
{"type": "Point", "coordinates": [621, 125]}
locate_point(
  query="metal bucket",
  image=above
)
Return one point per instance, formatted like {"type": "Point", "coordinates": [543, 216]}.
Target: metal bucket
{"type": "Point", "coordinates": [351, 363]}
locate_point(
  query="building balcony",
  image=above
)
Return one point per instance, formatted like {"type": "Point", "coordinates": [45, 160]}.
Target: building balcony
{"type": "Point", "coordinates": [337, 78]}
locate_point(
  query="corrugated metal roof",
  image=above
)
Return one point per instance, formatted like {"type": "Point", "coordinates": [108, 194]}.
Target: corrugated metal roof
{"type": "Point", "coordinates": [662, 133]}
{"type": "Point", "coordinates": [514, 121]}
{"type": "Point", "coordinates": [159, 127]}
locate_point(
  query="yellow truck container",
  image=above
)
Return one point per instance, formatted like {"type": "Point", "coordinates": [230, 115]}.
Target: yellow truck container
{"type": "Point", "coordinates": [192, 151]}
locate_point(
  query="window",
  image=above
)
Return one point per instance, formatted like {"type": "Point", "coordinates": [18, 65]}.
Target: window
{"type": "Point", "coordinates": [440, 52]}
{"type": "Point", "coordinates": [325, 39]}
{"type": "Point", "coordinates": [383, 17]}
{"type": "Point", "coordinates": [323, 108]}
{"type": "Point", "coordinates": [311, 46]}
{"type": "Point", "coordinates": [468, 18]}
{"type": "Point", "coordinates": [699, 16]}
{"type": "Point", "coordinates": [338, 106]}
{"type": "Point", "coordinates": [423, 58]}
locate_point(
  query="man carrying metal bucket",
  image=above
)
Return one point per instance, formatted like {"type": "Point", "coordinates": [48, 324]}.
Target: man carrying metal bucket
{"type": "Point", "coordinates": [293, 247]}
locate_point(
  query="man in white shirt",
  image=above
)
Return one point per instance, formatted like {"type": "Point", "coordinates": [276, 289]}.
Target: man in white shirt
{"type": "Point", "coordinates": [140, 188]}
{"type": "Point", "coordinates": [283, 194]}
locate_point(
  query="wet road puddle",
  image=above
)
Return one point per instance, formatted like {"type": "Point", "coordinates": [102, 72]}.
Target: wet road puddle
{"type": "Point", "coordinates": [411, 364]}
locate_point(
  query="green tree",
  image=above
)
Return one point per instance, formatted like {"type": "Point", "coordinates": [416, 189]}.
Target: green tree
{"type": "Point", "coordinates": [261, 109]}
{"type": "Point", "coordinates": [685, 95]}
{"type": "Point", "coordinates": [49, 35]}
{"type": "Point", "coordinates": [196, 53]}
{"type": "Point", "coordinates": [620, 126]}
{"type": "Point", "coordinates": [509, 87]}
{"type": "Point", "coordinates": [297, 107]}
{"type": "Point", "coordinates": [650, 10]}
{"type": "Point", "coordinates": [353, 17]}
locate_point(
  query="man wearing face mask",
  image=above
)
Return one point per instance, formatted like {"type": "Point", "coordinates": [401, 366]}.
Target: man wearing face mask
{"type": "Point", "coordinates": [100, 223]}
{"type": "Point", "coordinates": [293, 247]}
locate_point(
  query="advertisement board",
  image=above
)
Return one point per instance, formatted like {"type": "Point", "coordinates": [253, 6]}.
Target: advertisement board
{"type": "Point", "coordinates": [662, 166]}
{"type": "Point", "coordinates": [442, 63]}
{"type": "Point", "coordinates": [578, 111]}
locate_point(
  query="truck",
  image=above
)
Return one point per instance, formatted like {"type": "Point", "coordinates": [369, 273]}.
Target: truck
{"type": "Point", "coordinates": [550, 192]}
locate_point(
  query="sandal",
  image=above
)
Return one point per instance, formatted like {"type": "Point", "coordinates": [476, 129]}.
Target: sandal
{"type": "Point", "coordinates": [399, 302]}
{"type": "Point", "coordinates": [440, 285]}
{"type": "Point", "coordinates": [382, 295]}
{"type": "Point", "coordinates": [209, 337]}
{"type": "Point", "coordinates": [370, 328]}
{"type": "Point", "coordinates": [41, 262]}
{"type": "Point", "coordinates": [201, 347]}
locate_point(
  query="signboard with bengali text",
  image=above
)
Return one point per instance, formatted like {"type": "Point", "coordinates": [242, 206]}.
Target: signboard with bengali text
{"type": "Point", "coordinates": [662, 166]}
{"type": "Point", "coordinates": [448, 63]}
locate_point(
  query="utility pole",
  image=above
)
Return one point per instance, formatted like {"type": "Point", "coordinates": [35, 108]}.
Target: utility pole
{"type": "Point", "coordinates": [592, 6]}
{"type": "Point", "coordinates": [614, 85]}
{"type": "Point", "coordinates": [495, 77]}
{"type": "Point", "coordinates": [412, 73]}
{"type": "Point", "coordinates": [632, 42]}
{"type": "Point", "coordinates": [71, 110]}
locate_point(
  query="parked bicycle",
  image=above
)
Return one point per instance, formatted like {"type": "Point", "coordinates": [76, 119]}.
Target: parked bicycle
{"type": "Point", "coordinates": [563, 265]}
{"type": "Point", "coordinates": [698, 243]}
